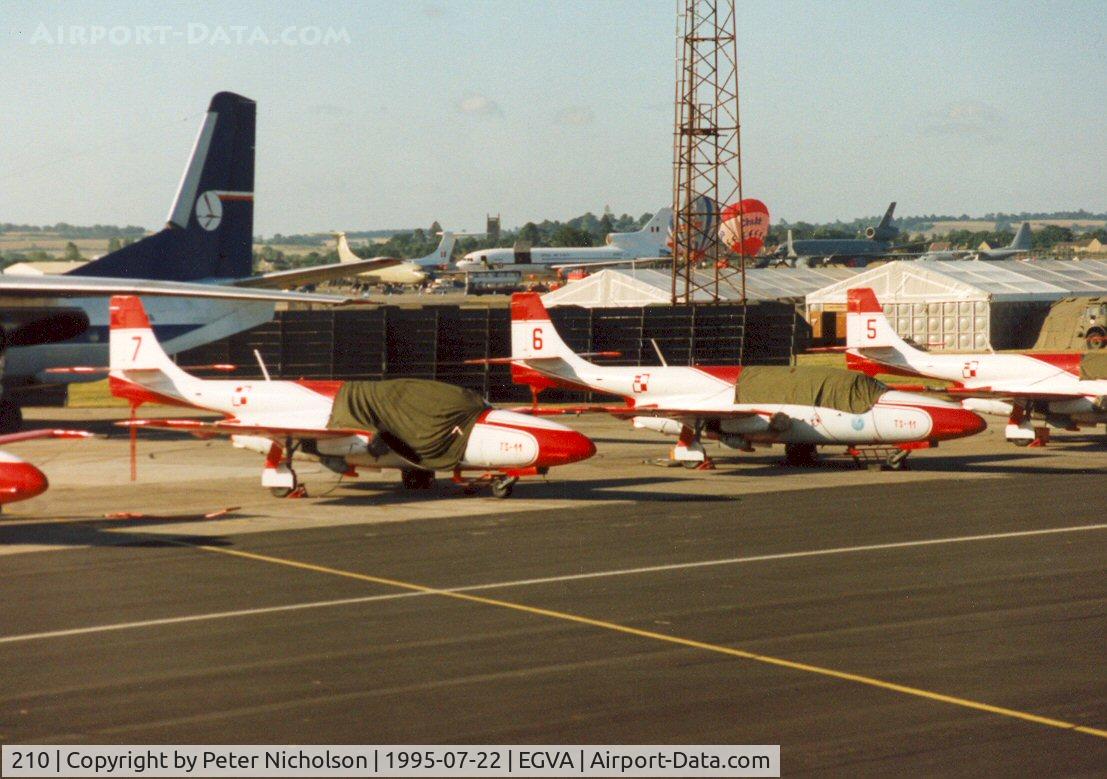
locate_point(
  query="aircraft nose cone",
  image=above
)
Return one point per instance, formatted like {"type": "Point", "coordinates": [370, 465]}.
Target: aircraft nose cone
{"type": "Point", "coordinates": [950, 423]}
{"type": "Point", "coordinates": [20, 481]}
{"type": "Point", "coordinates": [561, 447]}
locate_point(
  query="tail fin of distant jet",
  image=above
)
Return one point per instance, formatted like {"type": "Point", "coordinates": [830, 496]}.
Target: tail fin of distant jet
{"type": "Point", "coordinates": [345, 253]}
{"type": "Point", "coordinates": [441, 255]}
{"type": "Point", "coordinates": [209, 232]}
{"type": "Point", "coordinates": [1021, 241]}
{"type": "Point", "coordinates": [885, 230]}
{"type": "Point", "coordinates": [653, 237]}
{"type": "Point", "coordinates": [139, 368]}
{"type": "Point", "coordinates": [659, 224]}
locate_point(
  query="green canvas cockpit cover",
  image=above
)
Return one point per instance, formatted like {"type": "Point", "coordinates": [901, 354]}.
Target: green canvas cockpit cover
{"type": "Point", "coordinates": [808, 386]}
{"type": "Point", "coordinates": [1093, 365]}
{"type": "Point", "coordinates": [426, 422]}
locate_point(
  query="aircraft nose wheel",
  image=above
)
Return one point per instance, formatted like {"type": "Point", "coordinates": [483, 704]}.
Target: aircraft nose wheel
{"type": "Point", "coordinates": [503, 486]}
{"type": "Point", "coordinates": [284, 492]}
{"type": "Point", "coordinates": [897, 460]}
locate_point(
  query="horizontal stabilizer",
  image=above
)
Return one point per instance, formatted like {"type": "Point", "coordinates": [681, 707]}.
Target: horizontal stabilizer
{"type": "Point", "coordinates": [29, 435]}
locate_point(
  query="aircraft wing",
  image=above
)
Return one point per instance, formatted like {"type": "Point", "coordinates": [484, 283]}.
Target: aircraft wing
{"type": "Point", "coordinates": [92, 286]}
{"type": "Point", "coordinates": [232, 427]}
{"type": "Point", "coordinates": [28, 435]}
{"type": "Point", "coordinates": [315, 274]}
{"type": "Point", "coordinates": [627, 412]}
{"type": "Point", "coordinates": [1000, 393]}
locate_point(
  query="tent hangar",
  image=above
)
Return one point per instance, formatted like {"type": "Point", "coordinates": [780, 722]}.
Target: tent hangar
{"type": "Point", "coordinates": [633, 287]}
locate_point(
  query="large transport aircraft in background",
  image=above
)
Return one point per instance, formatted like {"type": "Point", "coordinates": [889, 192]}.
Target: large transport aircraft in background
{"type": "Point", "coordinates": [1020, 244]}
{"type": "Point", "coordinates": [414, 271]}
{"type": "Point", "coordinates": [809, 252]}
{"type": "Point", "coordinates": [801, 408]}
{"type": "Point", "coordinates": [207, 241]}
{"type": "Point", "coordinates": [649, 242]}
{"type": "Point", "coordinates": [413, 425]}
{"type": "Point", "coordinates": [1066, 389]}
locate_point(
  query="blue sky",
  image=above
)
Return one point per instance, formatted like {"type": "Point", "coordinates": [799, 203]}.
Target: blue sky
{"type": "Point", "coordinates": [426, 110]}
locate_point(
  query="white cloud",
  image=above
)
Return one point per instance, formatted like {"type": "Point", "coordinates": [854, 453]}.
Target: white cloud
{"type": "Point", "coordinates": [575, 116]}
{"type": "Point", "coordinates": [966, 117]}
{"type": "Point", "coordinates": [479, 105]}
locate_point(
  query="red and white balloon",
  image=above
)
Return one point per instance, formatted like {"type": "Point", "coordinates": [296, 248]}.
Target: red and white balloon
{"type": "Point", "coordinates": [743, 226]}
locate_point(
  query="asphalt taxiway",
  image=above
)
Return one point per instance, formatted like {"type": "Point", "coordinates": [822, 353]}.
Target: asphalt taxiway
{"type": "Point", "coordinates": [948, 619]}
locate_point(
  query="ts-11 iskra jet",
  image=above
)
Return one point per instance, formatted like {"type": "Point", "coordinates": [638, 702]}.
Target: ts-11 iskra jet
{"type": "Point", "coordinates": [801, 408]}
{"type": "Point", "coordinates": [412, 425]}
{"type": "Point", "coordinates": [1066, 389]}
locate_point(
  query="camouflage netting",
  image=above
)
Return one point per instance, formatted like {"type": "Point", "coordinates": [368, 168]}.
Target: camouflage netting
{"type": "Point", "coordinates": [426, 422]}
{"type": "Point", "coordinates": [1093, 365]}
{"type": "Point", "coordinates": [813, 386]}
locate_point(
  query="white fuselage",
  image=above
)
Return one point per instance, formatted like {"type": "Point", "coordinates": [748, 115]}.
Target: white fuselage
{"type": "Point", "coordinates": [695, 393]}
{"type": "Point", "coordinates": [1022, 375]}
{"type": "Point", "coordinates": [991, 383]}
{"type": "Point", "coordinates": [404, 273]}
{"type": "Point", "coordinates": [501, 439]}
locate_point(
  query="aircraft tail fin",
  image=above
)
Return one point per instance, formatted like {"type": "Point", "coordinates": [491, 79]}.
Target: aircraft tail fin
{"type": "Point", "coordinates": [345, 253]}
{"type": "Point", "coordinates": [659, 224]}
{"type": "Point", "coordinates": [1021, 241]}
{"type": "Point", "coordinates": [209, 231]}
{"type": "Point", "coordinates": [533, 335]}
{"type": "Point", "coordinates": [885, 230]}
{"type": "Point", "coordinates": [867, 327]}
{"type": "Point", "coordinates": [441, 255]}
{"type": "Point", "coordinates": [137, 360]}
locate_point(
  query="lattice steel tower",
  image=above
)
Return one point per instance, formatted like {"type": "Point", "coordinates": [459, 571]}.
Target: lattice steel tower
{"type": "Point", "coordinates": [707, 147]}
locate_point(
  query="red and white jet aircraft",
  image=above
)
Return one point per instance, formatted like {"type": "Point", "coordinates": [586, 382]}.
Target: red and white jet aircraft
{"type": "Point", "coordinates": [691, 402]}
{"type": "Point", "coordinates": [1057, 386]}
{"type": "Point", "coordinates": [279, 417]}
{"type": "Point", "coordinates": [19, 480]}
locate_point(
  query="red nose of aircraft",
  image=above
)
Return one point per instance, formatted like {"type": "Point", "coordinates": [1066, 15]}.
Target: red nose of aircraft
{"type": "Point", "coordinates": [950, 423]}
{"type": "Point", "coordinates": [561, 447]}
{"type": "Point", "coordinates": [20, 481]}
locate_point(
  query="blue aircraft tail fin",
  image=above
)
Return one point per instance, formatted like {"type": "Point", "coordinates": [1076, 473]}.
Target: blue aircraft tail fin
{"type": "Point", "coordinates": [209, 232]}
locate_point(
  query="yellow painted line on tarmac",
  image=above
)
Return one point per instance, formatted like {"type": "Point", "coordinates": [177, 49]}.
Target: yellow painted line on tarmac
{"type": "Point", "coordinates": [677, 640]}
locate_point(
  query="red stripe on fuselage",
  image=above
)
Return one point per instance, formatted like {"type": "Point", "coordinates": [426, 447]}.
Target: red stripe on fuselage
{"type": "Point", "coordinates": [137, 394]}
{"type": "Point", "coordinates": [326, 388]}
{"type": "Point", "coordinates": [1069, 362]}
{"type": "Point", "coordinates": [727, 373]}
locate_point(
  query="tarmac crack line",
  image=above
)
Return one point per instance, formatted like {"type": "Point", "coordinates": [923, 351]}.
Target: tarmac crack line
{"type": "Point", "coordinates": [649, 634]}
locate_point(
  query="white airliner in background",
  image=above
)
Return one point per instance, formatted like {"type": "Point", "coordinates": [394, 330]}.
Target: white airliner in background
{"type": "Point", "coordinates": [407, 271]}
{"type": "Point", "coordinates": [650, 241]}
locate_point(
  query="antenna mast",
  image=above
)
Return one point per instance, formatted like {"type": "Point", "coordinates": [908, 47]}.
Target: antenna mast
{"type": "Point", "coordinates": [707, 159]}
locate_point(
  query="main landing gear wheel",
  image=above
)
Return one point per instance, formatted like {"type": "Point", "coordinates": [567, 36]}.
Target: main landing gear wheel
{"type": "Point", "coordinates": [503, 486]}
{"type": "Point", "coordinates": [11, 417]}
{"type": "Point", "coordinates": [897, 461]}
{"type": "Point", "coordinates": [414, 479]}
{"type": "Point", "coordinates": [284, 492]}
{"type": "Point", "coordinates": [800, 455]}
